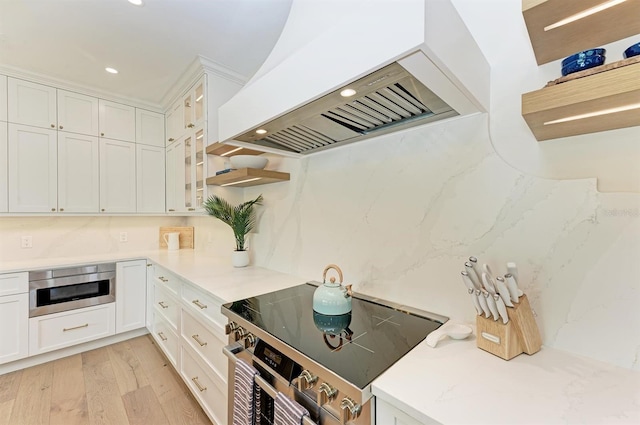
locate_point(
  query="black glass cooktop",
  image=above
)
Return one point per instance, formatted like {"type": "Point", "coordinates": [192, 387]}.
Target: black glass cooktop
{"type": "Point", "coordinates": [358, 346]}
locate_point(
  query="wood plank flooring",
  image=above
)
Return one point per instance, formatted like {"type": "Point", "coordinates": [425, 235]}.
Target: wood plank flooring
{"type": "Point", "coordinates": [128, 383]}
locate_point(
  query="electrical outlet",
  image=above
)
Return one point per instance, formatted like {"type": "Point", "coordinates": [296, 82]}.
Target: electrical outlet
{"type": "Point", "coordinates": [124, 237]}
{"type": "Point", "coordinates": [27, 242]}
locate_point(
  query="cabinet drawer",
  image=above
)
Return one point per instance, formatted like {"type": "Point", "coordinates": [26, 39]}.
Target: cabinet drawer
{"type": "Point", "coordinates": [166, 338]}
{"type": "Point", "coordinates": [210, 391]}
{"type": "Point", "coordinates": [203, 305]}
{"type": "Point", "coordinates": [167, 306]}
{"type": "Point", "coordinates": [54, 331]}
{"type": "Point", "coordinates": [167, 280]}
{"type": "Point", "coordinates": [14, 283]}
{"type": "Point", "coordinates": [206, 343]}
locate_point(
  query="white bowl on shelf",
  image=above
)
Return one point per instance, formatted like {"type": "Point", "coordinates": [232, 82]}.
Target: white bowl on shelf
{"type": "Point", "coordinates": [248, 161]}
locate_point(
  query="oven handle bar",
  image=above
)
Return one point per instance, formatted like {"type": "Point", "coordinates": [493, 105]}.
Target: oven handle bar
{"type": "Point", "coordinates": [230, 351]}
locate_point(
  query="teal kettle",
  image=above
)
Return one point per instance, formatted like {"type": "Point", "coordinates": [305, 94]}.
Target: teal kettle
{"type": "Point", "coordinates": [332, 298]}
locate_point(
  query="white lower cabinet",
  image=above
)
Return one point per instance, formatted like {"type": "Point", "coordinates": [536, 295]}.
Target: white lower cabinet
{"type": "Point", "coordinates": [189, 328]}
{"type": "Point", "coordinates": [14, 332]}
{"type": "Point", "coordinates": [208, 388]}
{"type": "Point", "coordinates": [54, 331]}
{"type": "Point", "coordinates": [387, 414]}
{"type": "Point", "coordinates": [131, 295]}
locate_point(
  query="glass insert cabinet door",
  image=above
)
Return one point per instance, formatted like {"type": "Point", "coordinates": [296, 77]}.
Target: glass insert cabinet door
{"type": "Point", "coordinates": [200, 175]}
{"type": "Point", "coordinates": [188, 172]}
{"type": "Point", "coordinates": [194, 106]}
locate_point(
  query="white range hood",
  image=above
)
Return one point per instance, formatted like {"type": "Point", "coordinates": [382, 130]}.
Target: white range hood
{"type": "Point", "coordinates": [328, 45]}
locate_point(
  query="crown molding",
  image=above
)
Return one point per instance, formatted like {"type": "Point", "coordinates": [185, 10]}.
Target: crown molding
{"type": "Point", "coordinates": [62, 84]}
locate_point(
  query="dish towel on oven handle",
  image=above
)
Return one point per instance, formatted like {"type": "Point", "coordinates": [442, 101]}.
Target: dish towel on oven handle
{"type": "Point", "coordinates": [287, 411]}
{"type": "Point", "coordinates": [246, 395]}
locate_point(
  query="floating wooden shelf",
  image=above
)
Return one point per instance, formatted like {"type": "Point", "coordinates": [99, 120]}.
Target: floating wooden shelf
{"type": "Point", "coordinates": [246, 177]}
{"type": "Point", "coordinates": [221, 149]}
{"type": "Point", "coordinates": [614, 88]}
{"type": "Point", "coordinates": [607, 26]}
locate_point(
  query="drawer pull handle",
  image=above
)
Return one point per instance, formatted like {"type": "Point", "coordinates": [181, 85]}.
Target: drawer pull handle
{"type": "Point", "coordinates": [199, 304]}
{"type": "Point", "coordinates": [163, 305]}
{"type": "Point", "coordinates": [197, 338]}
{"type": "Point", "coordinates": [200, 387]}
{"type": "Point", "coordinates": [86, 325]}
{"type": "Point", "coordinates": [162, 337]}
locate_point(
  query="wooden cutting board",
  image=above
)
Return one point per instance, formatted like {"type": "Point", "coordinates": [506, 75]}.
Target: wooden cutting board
{"type": "Point", "coordinates": [186, 236]}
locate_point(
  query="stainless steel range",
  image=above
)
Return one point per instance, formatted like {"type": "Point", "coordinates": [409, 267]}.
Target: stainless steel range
{"type": "Point", "coordinates": [325, 363]}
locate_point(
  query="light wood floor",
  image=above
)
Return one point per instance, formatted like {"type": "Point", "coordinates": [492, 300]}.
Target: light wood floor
{"type": "Point", "coordinates": [130, 382]}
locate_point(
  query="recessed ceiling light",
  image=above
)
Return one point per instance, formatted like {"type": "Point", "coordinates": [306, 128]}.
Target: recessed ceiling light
{"type": "Point", "coordinates": [347, 92]}
{"type": "Point", "coordinates": [261, 131]}
{"type": "Point", "coordinates": [111, 70]}
{"type": "Point", "coordinates": [136, 2]}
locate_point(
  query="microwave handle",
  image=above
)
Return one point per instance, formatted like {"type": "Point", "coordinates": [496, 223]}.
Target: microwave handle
{"type": "Point", "coordinates": [231, 350]}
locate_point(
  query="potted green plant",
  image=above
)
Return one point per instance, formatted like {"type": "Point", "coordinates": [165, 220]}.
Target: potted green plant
{"type": "Point", "coordinates": [241, 219]}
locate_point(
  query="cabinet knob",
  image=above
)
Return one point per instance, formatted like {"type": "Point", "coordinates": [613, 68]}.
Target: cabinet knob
{"type": "Point", "coordinates": [171, 139]}
{"type": "Point", "coordinates": [102, 209]}
{"type": "Point", "coordinates": [102, 134]}
{"type": "Point", "coordinates": [53, 126]}
{"type": "Point", "coordinates": [61, 209]}
{"type": "Point", "coordinates": [190, 125]}
{"type": "Point", "coordinates": [61, 127]}
{"type": "Point", "coordinates": [171, 210]}
{"type": "Point", "coordinates": [53, 209]}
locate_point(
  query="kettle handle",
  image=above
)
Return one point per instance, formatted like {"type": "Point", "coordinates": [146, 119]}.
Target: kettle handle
{"type": "Point", "coordinates": [336, 268]}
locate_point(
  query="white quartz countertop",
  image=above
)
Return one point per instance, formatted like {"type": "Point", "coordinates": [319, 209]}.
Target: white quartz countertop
{"type": "Point", "coordinates": [458, 383]}
{"type": "Point", "coordinates": [214, 274]}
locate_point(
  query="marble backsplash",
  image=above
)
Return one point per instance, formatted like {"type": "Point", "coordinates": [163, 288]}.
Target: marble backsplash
{"type": "Point", "coordinates": [401, 213]}
{"type": "Point", "coordinates": [69, 236]}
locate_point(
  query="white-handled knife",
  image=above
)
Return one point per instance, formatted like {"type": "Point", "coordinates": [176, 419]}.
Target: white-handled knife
{"type": "Point", "coordinates": [514, 291]}
{"type": "Point", "coordinates": [503, 291]}
{"type": "Point", "coordinates": [495, 299]}
{"type": "Point", "coordinates": [472, 293]}
{"type": "Point", "coordinates": [479, 296]}
{"type": "Point", "coordinates": [475, 278]}
{"type": "Point", "coordinates": [476, 266]}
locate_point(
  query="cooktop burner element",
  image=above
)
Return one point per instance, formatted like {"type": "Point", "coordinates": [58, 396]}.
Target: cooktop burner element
{"type": "Point", "coordinates": [357, 346]}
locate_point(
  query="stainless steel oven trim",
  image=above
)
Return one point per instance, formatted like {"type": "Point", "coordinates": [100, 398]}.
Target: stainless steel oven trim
{"type": "Point", "coordinates": [35, 311]}
{"type": "Point", "coordinates": [230, 351]}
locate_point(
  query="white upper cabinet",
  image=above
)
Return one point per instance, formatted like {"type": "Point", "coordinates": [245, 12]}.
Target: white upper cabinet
{"type": "Point", "coordinates": [150, 179]}
{"type": "Point", "coordinates": [4, 200]}
{"type": "Point", "coordinates": [31, 104]}
{"type": "Point", "coordinates": [117, 121]}
{"type": "Point", "coordinates": [194, 105]}
{"type": "Point", "coordinates": [78, 176]}
{"type": "Point", "coordinates": [77, 113]}
{"type": "Point", "coordinates": [149, 128]}
{"type": "Point", "coordinates": [175, 122]}
{"type": "Point", "coordinates": [117, 176]}
{"type": "Point", "coordinates": [32, 169]}
{"type": "Point", "coordinates": [3, 98]}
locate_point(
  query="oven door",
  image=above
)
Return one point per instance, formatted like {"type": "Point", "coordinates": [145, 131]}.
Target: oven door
{"type": "Point", "coordinates": [67, 293]}
{"type": "Point", "coordinates": [270, 383]}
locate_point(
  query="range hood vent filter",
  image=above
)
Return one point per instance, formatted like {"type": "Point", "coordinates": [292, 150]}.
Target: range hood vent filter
{"type": "Point", "coordinates": [389, 99]}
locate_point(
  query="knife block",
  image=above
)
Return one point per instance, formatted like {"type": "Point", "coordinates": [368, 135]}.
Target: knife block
{"type": "Point", "coordinates": [519, 335]}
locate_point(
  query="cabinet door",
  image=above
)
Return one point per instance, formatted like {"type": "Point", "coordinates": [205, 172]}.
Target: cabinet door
{"type": "Point", "coordinates": [175, 125]}
{"type": "Point", "coordinates": [33, 169]}
{"type": "Point", "coordinates": [149, 128]}
{"type": "Point", "coordinates": [117, 176]}
{"type": "Point", "coordinates": [175, 177]}
{"type": "Point", "coordinates": [389, 414]}
{"type": "Point", "coordinates": [77, 113]}
{"type": "Point", "coordinates": [117, 121]}
{"type": "Point", "coordinates": [150, 179]}
{"type": "Point", "coordinates": [78, 176]}
{"type": "Point", "coordinates": [14, 332]}
{"type": "Point", "coordinates": [31, 104]}
{"type": "Point", "coordinates": [3, 98]}
{"type": "Point", "coordinates": [131, 295]}
{"type": "Point", "coordinates": [4, 197]}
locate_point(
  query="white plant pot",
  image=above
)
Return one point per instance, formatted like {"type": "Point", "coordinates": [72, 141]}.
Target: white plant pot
{"type": "Point", "coordinates": [240, 258]}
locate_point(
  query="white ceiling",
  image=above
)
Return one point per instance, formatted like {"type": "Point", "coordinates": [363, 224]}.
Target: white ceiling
{"type": "Point", "coordinates": [151, 46]}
